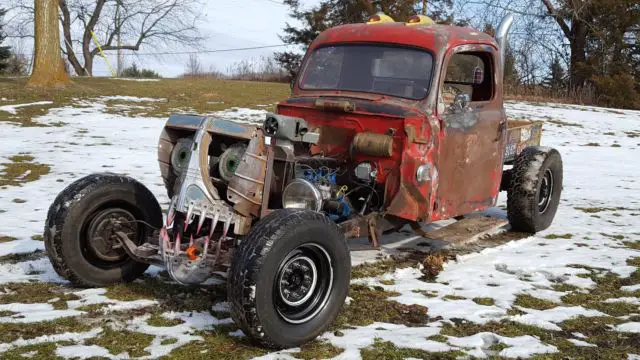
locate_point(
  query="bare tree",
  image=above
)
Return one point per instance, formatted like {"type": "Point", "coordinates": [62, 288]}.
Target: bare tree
{"type": "Point", "coordinates": [549, 27]}
{"type": "Point", "coordinates": [156, 23]}
{"type": "Point", "coordinates": [193, 67]}
{"type": "Point", "coordinates": [48, 67]}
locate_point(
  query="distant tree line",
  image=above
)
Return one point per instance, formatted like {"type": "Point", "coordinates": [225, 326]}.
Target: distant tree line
{"type": "Point", "coordinates": [11, 64]}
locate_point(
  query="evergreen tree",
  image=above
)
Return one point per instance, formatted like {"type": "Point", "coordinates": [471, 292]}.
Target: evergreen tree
{"type": "Point", "coordinates": [556, 78]}
{"type": "Point", "coordinates": [5, 51]}
{"type": "Point", "coordinates": [330, 13]}
{"type": "Point", "coordinates": [511, 76]}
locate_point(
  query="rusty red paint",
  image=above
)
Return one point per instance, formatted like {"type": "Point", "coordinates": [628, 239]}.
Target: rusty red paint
{"type": "Point", "coordinates": [421, 135]}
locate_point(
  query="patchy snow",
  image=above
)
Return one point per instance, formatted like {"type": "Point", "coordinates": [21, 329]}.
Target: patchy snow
{"type": "Point", "coordinates": [96, 296]}
{"type": "Point", "coordinates": [83, 352]}
{"type": "Point", "coordinates": [628, 300]}
{"type": "Point", "coordinates": [182, 333]}
{"type": "Point", "coordinates": [547, 319]}
{"type": "Point", "coordinates": [92, 140]}
{"type": "Point", "coordinates": [129, 98]}
{"type": "Point", "coordinates": [630, 327]}
{"type": "Point", "coordinates": [354, 340]}
{"type": "Point", "coordinates": [518, 347]}
{"type": "Point", "coordinates": [29, 313]}
{"type": "Point", "coordinates": [136, 79]}
{"type": "Point", "coordinates": [631, 288]}
{"type": "Point", "coordinates": [11, 109]}
{"type": "Point", "coordinates": [75, 337]}
{"type": "Point", "coordinates": [580, 343]}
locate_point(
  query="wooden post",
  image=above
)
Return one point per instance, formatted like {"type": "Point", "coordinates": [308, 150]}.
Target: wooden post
{"type": "Point", "coordinates": [48, 66]}
{"type": "Point", "coordinates": [424, 7]}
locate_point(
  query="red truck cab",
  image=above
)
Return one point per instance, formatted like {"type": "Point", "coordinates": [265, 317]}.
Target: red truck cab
{"type": "Point", "coordinates": [392, 78]}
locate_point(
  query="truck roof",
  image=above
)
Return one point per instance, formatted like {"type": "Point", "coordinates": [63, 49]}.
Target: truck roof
{"type": "Point", "coordinates": [431, 37]}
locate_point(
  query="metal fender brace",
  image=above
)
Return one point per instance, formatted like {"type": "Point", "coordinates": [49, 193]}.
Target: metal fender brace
{"type": "Point", "coordinates": [188, 245]}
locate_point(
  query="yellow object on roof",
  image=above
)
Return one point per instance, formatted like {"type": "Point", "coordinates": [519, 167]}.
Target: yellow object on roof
{"type": "Point", "coordinates": [379, 18]}
{"type": "Point", "coordinates": [420, 20]}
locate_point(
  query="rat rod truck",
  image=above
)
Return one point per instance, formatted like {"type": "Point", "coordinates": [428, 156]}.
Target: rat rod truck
{"type": "Point", "coordinates": [388, 124]}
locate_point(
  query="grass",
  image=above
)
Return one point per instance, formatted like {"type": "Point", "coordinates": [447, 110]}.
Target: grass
{"type": "Point", "coordinates": [123, 341]}
{"type": "Point", "coordinates": [438, 338]}
{"type": "Point", "coordinates": [613, 236]}
{"type": "Point", "coordinates": [563, 123]}
{"type": "Point", "coordinates": [161, 321]}
{"type": "Point", "coordinates": [559, 236]}
{"type": "Point", "coordinates": [371, 305]}
{"type": "Point", "coordinates": [36, 292]}
{"type": "Point", "coordinates": [14, 331]}
{"type": "Point", "coordinates": [317, 350]}
{"type": "Point", "coordinates": [530, 302]}
{"type": "Point", "coordinates": [381, 267]}
{"type": "Point", "coordinates": [170, 295]}
{"type": "Point", "coordinates": [635, 245]}
{"type": "Point", "coordinates": [21, 170]}
{"type": "Point", "coordinates": [16, 258]}
{"type": "Point", "coordinates": [486, 301]}
{"type": "Point", "coordinates": [217, 345]}
{"type": "Point", "coordinates": [607, 287]}
{"type": "Point", "coordinates": [388, 351]}
{"type": "Point", "coordinates": [36, 351]}
{"type": "Point", "coordinates": [6, 238]}
{"type": "Point", "coordinates": [199, 95]}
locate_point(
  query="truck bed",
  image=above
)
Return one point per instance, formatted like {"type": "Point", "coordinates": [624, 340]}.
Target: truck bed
{"type": "Point", "coordinates": [520, 134]}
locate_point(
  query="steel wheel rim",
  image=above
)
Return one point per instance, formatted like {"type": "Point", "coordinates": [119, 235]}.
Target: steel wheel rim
{"type": "Point", "coordinates": [303, 283]}
{"type": "Point", "coordinates": [546, 191]}
{"type": "Point", "coordinates": [100, 248]}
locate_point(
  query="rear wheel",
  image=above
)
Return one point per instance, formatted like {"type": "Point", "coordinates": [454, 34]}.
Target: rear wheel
{"type": "Point", "coordinates": [80, 227]}
{"type": "Point", "coordinates": [289, 278]}
{"type": "Point", "coordinates": [534, 190]}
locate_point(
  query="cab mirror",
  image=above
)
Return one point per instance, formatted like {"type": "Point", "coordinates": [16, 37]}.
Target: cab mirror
{"type": "Point", "coordinates": [478, 75]}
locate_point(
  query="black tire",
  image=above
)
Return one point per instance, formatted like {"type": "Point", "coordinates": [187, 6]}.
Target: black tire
{"type": "Point", "coordinates": [85, 207]}
{"type": "Point", "coordinates": [534, 191]}
{"type": "Point", "coordinates": [257, 287]}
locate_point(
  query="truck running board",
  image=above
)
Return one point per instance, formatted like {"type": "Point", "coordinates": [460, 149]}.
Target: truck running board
{"type": "Point", "coordinates": [463, 231]}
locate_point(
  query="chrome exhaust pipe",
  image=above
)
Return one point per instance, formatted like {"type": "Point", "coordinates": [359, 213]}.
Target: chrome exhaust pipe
{"type": "Point", "coordinates": [501, 38]}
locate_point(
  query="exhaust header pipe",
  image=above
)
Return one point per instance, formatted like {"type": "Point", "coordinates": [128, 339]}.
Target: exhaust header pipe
{"type": "Point", "coordinates": [501, 38]}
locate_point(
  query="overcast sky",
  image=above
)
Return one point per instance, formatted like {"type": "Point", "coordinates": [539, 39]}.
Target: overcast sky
{"type": "Point", "coordinates": [226, 24]}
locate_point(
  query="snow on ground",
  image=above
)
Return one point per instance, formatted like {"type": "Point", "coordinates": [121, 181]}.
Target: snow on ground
{"type": "Point", "coordinates": [602, 177]}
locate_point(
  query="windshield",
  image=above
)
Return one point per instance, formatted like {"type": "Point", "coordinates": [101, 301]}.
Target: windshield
{"type": "Point", "coordinates": [381, 69]}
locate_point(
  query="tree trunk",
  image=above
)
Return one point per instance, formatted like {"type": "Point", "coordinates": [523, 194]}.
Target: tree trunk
{"type": "Point", "coordinates": [48, 66]}
{"type": "Point", "coordinates": [578, 72]}
{"type": "Point", "coordinates": [66, 30]}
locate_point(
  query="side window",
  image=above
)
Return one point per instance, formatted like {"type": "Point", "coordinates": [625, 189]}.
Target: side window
{"type": "Point", "coordinates": [468, 73]}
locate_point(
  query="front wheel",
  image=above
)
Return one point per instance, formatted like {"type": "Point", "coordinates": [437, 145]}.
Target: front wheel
{"type": "Point", "coordinates": [79, 231]}
{"type": "Point", "coordinates": [534, 190]}
{"type": "Point", "coordinates": [289, 278]}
